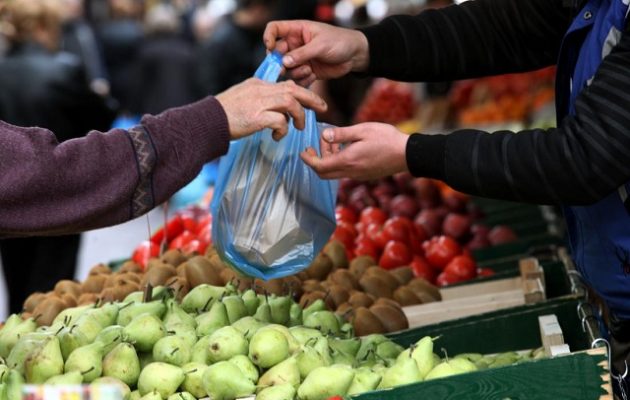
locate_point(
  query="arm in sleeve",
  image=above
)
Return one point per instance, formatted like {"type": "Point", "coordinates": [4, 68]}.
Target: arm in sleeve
{"type": "Point", "coordinates": [578, 163]}
{"type": "Point", "coordinates": [106, 178]}
{"type": "Point", "coordinates": [477, 38]}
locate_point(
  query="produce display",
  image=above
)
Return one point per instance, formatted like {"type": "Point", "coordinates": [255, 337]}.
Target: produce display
{"type": "Point", "coordinates": [387, 101]}
{"type": "Point", "coordinates": [218, 342]}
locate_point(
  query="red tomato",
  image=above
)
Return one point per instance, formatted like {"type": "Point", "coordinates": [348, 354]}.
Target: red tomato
{"type": "Point", "coordinates": [190, 224]}
{"type": "Point", "coordinates": [174, 228]}
{"type": "Point", "coordinates": [365, 247]}
{"type": "Point", "coordinates": [422, 269]}
{"type": "Point", "coordinates": [417, 237]}
{"type": "Point", "coordinates": [463, 267]}
{"type": "Point", "coordinates": [195, 245]}
{"type": "Point", "coordinates": [335, 398]}
{"type": "Point", "coordinates": [145, 250]}
{"type": "Point", "coordinates": [182, 240]}
{"type": "Point", "coordinates": [375, 233]}
{"type": "Point", "coordinates": [440, 250]}
{"type": "Point", "coordinates": [373, 215]}
{"type": "Point", "coordinates": [345, 214]}
{"type": "Point", "coordinates": [396, 254]}
{"type": "Point", "coordinates": [203, 222]}
{"type": "Point", "coordinates": [481, 272]}
{"type": "Point", "coordinates": [399, 229]}
{"type": "Point", "coordinates": [205, 234]}
{"type": "Point", "coordinates": [345, 233]}
{"type": "Point", "coordinates": [445, 279]}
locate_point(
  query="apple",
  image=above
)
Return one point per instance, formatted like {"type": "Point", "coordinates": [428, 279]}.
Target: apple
{"type": "Point", "coordinates": [501, 234]}
{"type": "Point", "coordinates": [403, 205]}
{"type": "Point", "coordinates": [456, 225]}
{"type": "Point", "coordinates": [430, 221]}
{"type": "Point", "coordinates": [395, 254]}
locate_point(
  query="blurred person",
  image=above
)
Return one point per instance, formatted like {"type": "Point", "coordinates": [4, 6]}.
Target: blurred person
{"type": "Point", "coordinates": [234, 50]}
{"type": "Point", "coordinates": [40, 86]}
{"type": "Point", "coordinates": [163, 71]}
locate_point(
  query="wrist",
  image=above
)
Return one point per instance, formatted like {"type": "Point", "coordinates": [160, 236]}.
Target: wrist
{"type": "Point", "coordinates": [361, 57]}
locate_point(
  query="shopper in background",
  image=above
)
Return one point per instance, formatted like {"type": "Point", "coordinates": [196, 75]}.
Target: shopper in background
{"type": "Point", "coordinates": [40, 86]}
{"type": "Point", "coordinates": [581, 165]}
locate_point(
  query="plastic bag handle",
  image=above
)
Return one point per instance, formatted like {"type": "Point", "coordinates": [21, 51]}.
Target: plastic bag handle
{"type": "Point", "coordinates": [271, 67]}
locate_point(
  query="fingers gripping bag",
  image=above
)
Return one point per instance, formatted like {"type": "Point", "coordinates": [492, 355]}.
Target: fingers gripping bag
{"type": "Point", "coordinates": [271, 213]}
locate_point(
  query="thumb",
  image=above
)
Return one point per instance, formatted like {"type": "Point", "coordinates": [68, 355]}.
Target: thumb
{"type": "Point", "coordinates": [301, 55]}
{"type": "Point", "coordinates": [342, 135]}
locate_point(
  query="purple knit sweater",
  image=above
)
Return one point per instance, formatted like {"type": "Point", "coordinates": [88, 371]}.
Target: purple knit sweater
{"type": "Point", "coordinates": [106, 178]}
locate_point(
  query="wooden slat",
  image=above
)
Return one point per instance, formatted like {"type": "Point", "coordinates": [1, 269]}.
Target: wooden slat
{"type": "Point", "coordinates": [474, 289]}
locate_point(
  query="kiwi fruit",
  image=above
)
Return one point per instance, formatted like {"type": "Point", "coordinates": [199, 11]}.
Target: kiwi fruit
{"type": "Point", "coordinates": [320, 267]}
{"type": "Point", "coordinates": [273, 286]}
{"type": "Point", "coordinates": [309, 298]}
{"type": "Point", "coordinates": [425, 297]}
{"type": "Point", "coordinates": [360, 299]}
{"type": "Point", "coordinates": [388, 302]}
{"type": "Point", "coordinates": [100, 269]}
{"type": "Point", "coordinates": [87, 298]}
{"type": "Point", "coordinates": [94, 284]}
{"type": "Point", "coordinates": [67, 286]}
{"type": "Point", "coordinates": [337, 253]}
{"type": "Point", "coordinates": [179, 285]}
{"type": "Point", "coordinates": [47, 310]}
{"type": "Point", "coordinates": [25, 315]}
{"type": "Point", "coordinates": [402, 274]}
{"type": "Point", "coordinates": [388, 278]}
{"type": "Point", "coordinates": [33, 300]}
{"type": "Point", "coordinates": [338, 294]}
{"type": "Point", "coordinates": [420, 284]}
{"type": "Point", "coordinates": [127, 288]}
{"type": "Point", "coordinates": [181, 269]}
{"type": "Point", "coordinates": [392, 318]}
{"type": "Point", "coordinates": [198, 270]}
{"type": "Point", "coordinates": [69, 299]}
{"type": "Point", "coordinates": [405, 296]}
{"type": "Point", "coordinates": [312, 285]}
{"type": "Point", "coordinates": [345, 278]}
{"type": "Point", "coordinates": [344, 309]}
{"type": "Point", "coordinates": [293, 286]}
{"type": "Point", "coordinates": [130, 266]}
{"type": "Point", "coordinates": [158, 275]}
{"type": "Point", "coordinates": [217, 263]}
{"type": "Point", "coordinates": [360, 264]}
{"type": "Point", "coordinates": [303, 276]}
{"type": "Point", "coordinates": [366, 323]}
{"type": "Point", "coordinates": [131, 277]}
{"type": "Point", "coordinates": [110, 294]}
{"type": "Point", "coordinates": [173, 257]}
{"type": "Point", "coordinates": [375, 286]}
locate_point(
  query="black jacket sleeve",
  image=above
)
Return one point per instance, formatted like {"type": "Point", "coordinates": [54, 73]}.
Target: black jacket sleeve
{"type": "Point", "coordinates": [578, 163]}
{"type": "Point", "coordinates": [477, 38]}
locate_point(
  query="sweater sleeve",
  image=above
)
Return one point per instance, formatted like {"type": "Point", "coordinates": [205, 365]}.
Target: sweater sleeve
{"type": "Point", "coordinates": [104, 178]}
{"type": "Point", "coordinates": [477, 38]}
{"type": "Point", "coordinates": [578, 163]}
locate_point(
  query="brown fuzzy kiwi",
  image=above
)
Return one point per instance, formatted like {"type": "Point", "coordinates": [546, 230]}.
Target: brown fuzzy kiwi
{"type": "Point", "coordinates": [405, 296]}
{"type": "Point", "coordinates": [181, 269]}
{"type": "Point", "coordinates": [127, 288]}
{"type": "Point", "coordinates": [360, 299]}
{"type": "Point", "coordinates": [33, 300]}
{"type": "Point", "coordinates": [131, 277]}
{"type": "Point", "coordinates": [293, 285]}
{"type": "Point", "coordinates": [388, 302]}
{"type": "Point", "coordinates": [87, 298]}
{"type": "Point", "coordinates": [387, 278]}
{"type": "Point", "coordinates": [156, 262]}
{"type": "Point", "coordinates": [344, 278]}
{"type": "Point", "coordinates": [109, 294]}
{"type": "Point", "coordinates": [25, 315]}
{"type": "Point", "coordinates": [344, 309]}
{"type": "Point", "coordinates": [228, 275]}
{"type": "Point", "coordinates": [94, 284]}
{"type": "Point", "coordinates": [366, 323]}
{"type": "Point", "coordinates": [174, 257]}
{"type": "Point", "coordinates": [320, 267]}
{"type": "Point", "coordinates": [47, 310]}
{"type": "Point", "coordinates": [402, 274]}
{"type": "Point", "coordinates": [418, 284]}
{"type": "Point", "coordinates": [179, 285]}
{"type": "Point", "coordinates": [360, 264]}
{"type": "Point", "coordinates": [338, 294]}
{"type": "Point", "coordinates": [392, 318]}
{"type": "Point", "coordinates": [309, 298]}
{"type": "Point", "coordinates": [199, 270]}
{"type": "Point", "coordinates": [303, 276]}
{"type": "Point", "coordinates": [158, 275]}
{"type": "Point", "coordinates": [100, 269]}
{"type": "Point", "coordinates": [337, 253]}
{"type": "Point", "coordinates": [67, 286]}
{"type": "Point", "coordinates": [425, 297]}
{"type": "Point", "coordinates": [312, 285]}
{"type": "Point", "coordinates": [217, 264]}
{"type": "Point", "coordinates": [130, 266]}
{"type": "Point", "coordinates": [375, 286]}
{"type": "Point", "coordinates": [69, 299]}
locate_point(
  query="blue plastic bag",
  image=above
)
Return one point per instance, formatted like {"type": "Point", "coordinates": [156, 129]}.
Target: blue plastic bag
{"type": "Point", "coordinates": [271, 213]}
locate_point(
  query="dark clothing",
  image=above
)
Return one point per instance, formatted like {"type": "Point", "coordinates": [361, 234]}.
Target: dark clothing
{"type": "Point", "coordinates": [164, 74]}
{"type": "Point", "coordinates": [79, 39]}
{"type": "Point", "coordinates": [230, 56]}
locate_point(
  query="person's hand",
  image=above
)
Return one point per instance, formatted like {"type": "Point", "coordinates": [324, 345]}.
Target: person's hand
{"type": "Point", "coordinates": [371, 150]}
{"type": "Point", "coordinates": [313, 50]}
{"type": "Point", "coordinates": [254, 105]}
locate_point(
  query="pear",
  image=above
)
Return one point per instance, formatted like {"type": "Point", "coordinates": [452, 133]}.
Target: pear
{"type": "Point", "coordinates": [280, 308]}
{"type": "Point", "coordinates": [110, 337]}
{"type": "Point", "coordinates": [404, 371]}
{"type": "Point", "coordinates": [348, 346]}
{"type": "Point", "coordinates": [12, 321]}
{"type": "Point", "coordinates": [285, 372]}
{"type": "Point", "coordinates": [25, 346]}
{"type": "Point", "coordinates": [295, 315]}
{"type": "Point", "coordinates": [3, 371]}
{"type": "Point", "coordinates": [164, 378]}
{"type": "Point", "coordinates": [303, 334]}
{"type": "Point", "coordinates": [173, 349]}
{"type": "Point", "coordinates": [87, 360]}
{"type": "Point", "coordinates": [472, 357]}
{"type": "Point", "coordinates": [181, 396]}
{"type": "Point", "coordinates": [317, 305]}
{"type": "Point", "coordinates": [463, 364]}
{"type": "Point", "coordinates": [248, 326]}
{"type": "Point", "coordinates": [9, 337]}
{"type": "Point", "coordinates": [144, 331]}
{"type": "Point", "coordinates": [145, 359]}
{"type": "Point", "coordinates": [226, 343]}
{"type": "Point", "coordinates": [200, 351]}
{"type": "Point", "coordinates": [268, 347]}
{"type": "Point", "coordinates": [128, 313]}
{"type": "Point", "coordinates": [423, 354]}
{"type": "Point", "coordinates": [152, 395]}
{"type": "Point", "coordinates": [71, 339]}
{"type": "Point", "coordinates": [212, 320]}
{"type": "Point", "coordinates": [134, 297]}
{"type": "Point", "coordinates": [106, 314]}
{"type": "Point", "coordinates": [88, 325]}
{"type": "Point", "coordinates": [364, 380]}
{"type": "Point", "coordinates": [325, 321]}
{"type": "Point", "coordinates": [45, 362]}
{"type": "Point", "coordinates": [280, 392]}
{"type": "Point", "coordinates": [246, 366]}
{"type": "Point", "coordinates": [110, 381]}
{"type": "Point", "coordinates": [340, 357]}
{"type": "Point", "coordinates": [122, 363]}
{"type": "Point", "coordinates": [69, 316]}
{"type": "Point", "coordinates": [201, 298]}
{"type": "Point", "coordinates": [235, 308]}
{"type": "Point", "coordinates": [325, 382]}
{"type": "Point", "coordinates": [346, 330]}
{"type": "Point", "coordinates": [294, 345]}
{"type": "Point", "coordinates": [135, 395]}
{"type": "Point", "coordinates": [251, 301]}
{"type": "Point", "coordinates": [308, 359]}
{"type": "Point", "coordinates": [176, 315]}
{"type": "Point", "coordinates": [263, 312]}
{"type": "Point", "coordinates": [322, 347]}
{"type": "Point", "coordinates": [388, 350]}
{"type": "Point", "coordinates": [185, 331]}
{"type": "Point", "coordinates": [69, 378]}
{"type": "Point", "coordinates": [225, 381]}
{"type": "Point", "coordinates": [14, 381]}
{"type": "Point", "coordinates": [443, 370]}
{"type": "Point", "coordinates": [193, 379]}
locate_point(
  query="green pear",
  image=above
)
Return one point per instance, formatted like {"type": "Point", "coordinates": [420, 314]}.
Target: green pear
{"type": "Point", "coordinates": [3, 371]}
{"type": "Point", "coordinates": [263, 312]}
{"type": "Point", "coordinates": [128, 313]}
{"type": "Point", "coordinates": [246, 366]}
{"type": "Point", "coordinates": [443, 370]}
{"type": "Point", "coordinates": [322, 347]}
{"type": "Point", "coordinates": [200, 298]}
{"type": "Point", "coordinates": [404, 371]}
{"type": "Point", "coordinates": [295, 314]}
{"type": "Point", "coordinates": [69, 378]}
{"type": "Point", "coordinates": [87, 360]}
{"type": "Point", "coordinates": [176, 315]}
{"type": "Point", "coordinates": [348, 346]}
{"type": "Point", "coordinates": [185, 331]}
{"type": "Point", "coordinates": [200, 351]}
{"type": "Point", "coordinates": [226, 343]}
{"type": "Point", "coordinates": [70, 315]}
{"type": "Point", "coordinates": [12, 321]}
{"type": "Point", "coordinates": [22, 349]}
{"type": "Point", "coordinates": [161, 293]}
{"type": "Point", "coordinates": [285, 391]}
{"type": "Point", "coordinates": [346, 330]}
{"type": "Point", "coordinates": [153, 395]}
{"type": "Point", "coordinates": [106, 314]}
{"type": "Point", "coordinates": [325, 321]}
{"type": "Point", "coordinates": [144, 331]}
{"type": "Point", "coordinates": [225, 381]}
{"type": "Point", "coordinates": [304, 335]}
{"type": "Point", "coordinates": [212, 320]}
{"type": "Point", "coordinates": [122, 387]}
{"type": "Point", "coordinates": [294, 345]}
{"type": "Point", "coordinates": [164, 378]}
{"type": "Point", "coordinates": [251, 301]}
{"type": "Point", "coordinates": [472, 357]}
{"type": "Point", "coordinates": [388, 350]}
{"type": "Point", "coordinates": [193, 379]}
{"type": "Point", "coordinates": [248, 326]}
{"type": "Point", "coordinates": [14, 381]}
{"type": "Point", "coordinates": [122, 362]}
{"type": "Point", "coordinates": [145, 359]}
{"type": "Point", "coordinates": [423, 354]}
{"type": "Point", "coordinates": [285, 372]}
{"type": "Point", "coordinates": [181, 396]}
{"type": "Point", "coordinates": [308, 359]}
{"type": "Point", "coordinates": [71, 339]}
{"type": "Point", "coordinates": [280, 307]}
{"type": "Point", "coordinates": [173, 349]}
{"type": "Point", "coordinates": [369, 344]}
{"type": "Point", "coordinates": [110, 337]}
{"type": "Point", "coordinates": [365, 380]}
{"type": "Point", "coordinates": [325, 382]}
{"type": "Point", "coordinates": [317, 305]}
{"type": "Point", "coordinates": [340, 357]}
{"type": "Point", "coordinates": [463, 364]}
{"type": "Point", "coordinates": [135, 395]}
{"type": "Point", "coordinates": [45, 362]}
{"type": "Point", "coordinates": [9, 337]}
{"type": "Point", "coordinates": [268, 347]}
{"type": "Point", "coordinates": [235, 308]}
{"type": "Point", "coordinates": [134, 297]}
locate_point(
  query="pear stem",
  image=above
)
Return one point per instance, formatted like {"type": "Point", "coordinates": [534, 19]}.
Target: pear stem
{"type": "Point", "coordinates": [87, 371]}
{"type": "Point", "coordinates": [203, 309]}
{"type": "Point", "coordinates": [66, 320]}
{"type": "Point", "coordinates": [192, 371]}
{"type": "Point", "coordinates": [175, 350]}
{"type": "Point", "coordinates": [412, 348]}
{"type": "Point", "coordinates": [72, 328]}
{"type": "Point", "coordinates": [445, 353]}
{"type": "Point", "coordinates": [59, 330]}
{"type": "Point", "coordinates": [125, 306]}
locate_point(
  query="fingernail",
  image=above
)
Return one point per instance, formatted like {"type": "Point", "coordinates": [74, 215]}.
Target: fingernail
{"type": "Point", "coordinates": [328, 135]}
{"type": "Point", "coordinates": [288, 61]}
